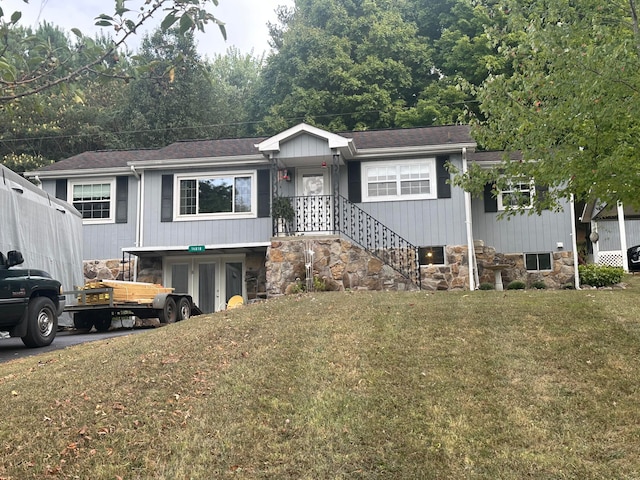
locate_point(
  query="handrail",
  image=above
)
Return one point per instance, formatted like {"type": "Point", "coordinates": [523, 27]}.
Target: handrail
{"type": "Point", "coordinates": [326, 213]}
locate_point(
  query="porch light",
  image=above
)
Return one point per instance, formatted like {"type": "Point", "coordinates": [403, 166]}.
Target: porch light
{"type": "Point", "coordinates": [324, 164]}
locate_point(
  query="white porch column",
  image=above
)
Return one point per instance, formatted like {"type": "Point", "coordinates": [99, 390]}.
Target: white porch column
{"type": "Point", "coordinates": [623, 237]}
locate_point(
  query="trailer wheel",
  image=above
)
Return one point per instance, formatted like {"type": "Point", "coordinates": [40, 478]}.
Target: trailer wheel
{"type": "Point", "coordinates": [184, 309]}
{"type": "Point", "coordinates": [103, 322]}
{"type": "Point", "coordinates": [169, 314]}
{"type": "Point", "coordinates": [42, 322]}
{"type": "Point", "coordinates": [82, 320]}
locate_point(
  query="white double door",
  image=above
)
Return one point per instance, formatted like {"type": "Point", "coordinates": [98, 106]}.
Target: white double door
{"type": "Point", "coordinates": [210, 280]}
{"type": "Point", "coordinates": [314, 206]}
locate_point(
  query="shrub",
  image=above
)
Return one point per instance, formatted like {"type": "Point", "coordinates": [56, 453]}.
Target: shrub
{"type": "Point", "coordinates": [516, 285]}
{"type": "Point", "coordinates": [539, 284]}
{"type": "Point", "coordinates": [600, 275]}
{"type": "Point", "coordinates": [486, 286]}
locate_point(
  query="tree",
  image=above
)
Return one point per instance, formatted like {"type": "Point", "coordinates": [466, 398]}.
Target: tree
{"type": "Point", "coordinates": [29, 66]}
{"type": "Point", "coordinates": [568, 100]}
{"type": "Point", "coordinates": [343, 64]}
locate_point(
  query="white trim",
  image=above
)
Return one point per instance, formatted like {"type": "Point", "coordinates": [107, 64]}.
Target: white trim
{"type": "Point", "coordinates": [623, 237]}
{"type": "Point", "coordinates": [471, 251]}
{"type": "Point", "coordinates": [386, 152]}
{"type": "Point", "coordinates": [271, 145]}
{"type": "Point", "coordinates": [430, 163]}
{"type": "Point", "coordinates": [574, 242]}
{"type": "Point", "coordinates": [532, 192]}
{"type": "Point", "coordinates": [112, 198]}
{"type": "Point", "coordinates": [200, 162]}
{"type": "Point", "coordinates": [185, 248]}
{"type": "Point", "coordinates": [178, 217]}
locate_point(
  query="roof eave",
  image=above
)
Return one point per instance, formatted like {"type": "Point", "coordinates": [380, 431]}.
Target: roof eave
{"type": "Point", "coordinates": [414, 150]}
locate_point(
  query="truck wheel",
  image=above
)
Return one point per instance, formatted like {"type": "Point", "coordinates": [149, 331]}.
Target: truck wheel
{"type": "Point", "coordinates": [103, 322]}
{"type": "Point", "coordinates": [82, 320]}
{"type": "Point", "coordinates": [169, 313]}
{"type": "Point", "coordinates": [184, 309]}
{"type": "Point", "coordinates": [42, 322]}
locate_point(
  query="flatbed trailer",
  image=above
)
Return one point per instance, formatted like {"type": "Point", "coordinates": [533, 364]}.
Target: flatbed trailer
{"type": "Point", "coordinates": [97, 307]}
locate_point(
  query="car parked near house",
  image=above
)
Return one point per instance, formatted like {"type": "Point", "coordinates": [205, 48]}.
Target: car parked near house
{"type": "Point", "coordinates": [30, 302]}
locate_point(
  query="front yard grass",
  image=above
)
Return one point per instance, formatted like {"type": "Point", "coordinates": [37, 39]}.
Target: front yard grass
{"type": "Point", "coordinates": [532, 384]}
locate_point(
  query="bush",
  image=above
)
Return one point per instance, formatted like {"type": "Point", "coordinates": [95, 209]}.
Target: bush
{"type": "Point", "coordinates": [600, 275]}
{"type": "Point", "coordinates": [516, 285]}
{"type": "Point", "coordinates": [539, 284]}
{"type": "Point", "coordinates": [487, 286]}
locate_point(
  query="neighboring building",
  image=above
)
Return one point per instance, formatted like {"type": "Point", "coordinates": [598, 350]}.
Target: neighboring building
{"type": "Point", "coordinates": [615, 235]}
{"type": "Point", "coordinates": [371, 209]}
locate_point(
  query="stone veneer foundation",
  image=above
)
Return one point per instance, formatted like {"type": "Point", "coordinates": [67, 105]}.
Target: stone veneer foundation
{"type": "Point", "coordinates": [341, 265]}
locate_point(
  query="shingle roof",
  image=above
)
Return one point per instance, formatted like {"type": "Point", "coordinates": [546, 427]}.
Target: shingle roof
{"type": "Point", "coordinates": [390, 138]}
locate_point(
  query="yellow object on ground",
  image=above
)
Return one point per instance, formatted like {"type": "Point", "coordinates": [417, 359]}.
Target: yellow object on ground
{"type": "Point", "coordinates": [235, 301]}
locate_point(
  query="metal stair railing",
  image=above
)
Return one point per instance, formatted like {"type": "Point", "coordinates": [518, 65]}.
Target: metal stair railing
{"type": "Point", "coordinates": [377, 239]}
{"type": "Point", "coordinates": [336, 214]}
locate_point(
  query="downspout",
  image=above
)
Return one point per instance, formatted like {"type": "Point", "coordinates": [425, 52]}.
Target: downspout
{"type": "Point", "coordinates": [574, 241]}
{"type": "Point", "coordinates": [467, 216]}
{"type": "Point", "coordinates": [139, 218]}
{"type": "Point", "coordinates": [623, 237]}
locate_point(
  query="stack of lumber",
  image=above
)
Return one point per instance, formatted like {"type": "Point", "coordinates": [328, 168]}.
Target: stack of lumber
{"type": "Point", "coordinates": [129, 292]}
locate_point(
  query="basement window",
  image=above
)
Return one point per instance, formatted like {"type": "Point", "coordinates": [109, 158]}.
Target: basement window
{"type": "Point", "coordinates": [537, 261]}
{"type": "Point", "coordinates": [431, 255]}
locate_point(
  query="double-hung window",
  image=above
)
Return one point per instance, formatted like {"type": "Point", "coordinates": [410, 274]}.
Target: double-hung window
{"type": "Point", "coordinates": [94, 200]}
{"type": "Point", "coordinates": [402, 180]}
{"type": "Point", "coordinates": [216, 196]}
{"type": "Point", "coordinates": [516, 195]}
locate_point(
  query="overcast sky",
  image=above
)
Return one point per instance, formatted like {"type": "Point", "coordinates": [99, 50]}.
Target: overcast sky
{"type": "Point", "coordinates": [246, 20]}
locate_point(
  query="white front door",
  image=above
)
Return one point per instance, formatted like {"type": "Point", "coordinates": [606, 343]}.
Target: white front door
{"type": "Point", "coordinates": [313, 204]}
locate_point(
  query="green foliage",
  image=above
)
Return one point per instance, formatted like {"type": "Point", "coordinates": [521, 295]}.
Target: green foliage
{"type": "Point", "coordinates": [566, 98]}
{"type": "Point", "coordinates": [516, 285]}
{"type": "Point", "coordinates": [23, 162]}
{"type": "Point", "coordinates": [487, 286]}
{"type": "Point", "coordinates": [281, 207]}
{"type": "Point", "coordinates": [539, 285]}
{"type": "Point", "coordinates": [600, 275]}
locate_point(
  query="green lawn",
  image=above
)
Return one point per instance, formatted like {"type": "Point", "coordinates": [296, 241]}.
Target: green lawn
{"type": "Point", "coordinates": [491, 385]}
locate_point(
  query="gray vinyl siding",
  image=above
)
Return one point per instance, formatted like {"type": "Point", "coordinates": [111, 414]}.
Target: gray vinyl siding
{"type": "Point", "coordinates": [304, 146]}
{"type": "Point", "coordinates": [522, 233]}
{"type": "Point", "coordinates": [195, 232]}
{"type": "Point", "coordinates": [436, 222]}
{"type": "Point", "coordinates": [609, 234]}
{"type": "Point", "coordinates": [105, 241]}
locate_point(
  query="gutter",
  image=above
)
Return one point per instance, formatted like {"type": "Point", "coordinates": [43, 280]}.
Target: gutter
{"type": "Point", "coordinates": [576, 274]}
{"type": "Point", "coordinates": [467, 218]}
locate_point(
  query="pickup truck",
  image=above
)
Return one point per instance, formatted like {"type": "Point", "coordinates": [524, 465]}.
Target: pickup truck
{"type": "Point", "coordinates": [30, 302]}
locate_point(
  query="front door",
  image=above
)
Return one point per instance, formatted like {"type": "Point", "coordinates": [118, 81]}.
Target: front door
{"type": "Point", "coordinates": [314, 209]}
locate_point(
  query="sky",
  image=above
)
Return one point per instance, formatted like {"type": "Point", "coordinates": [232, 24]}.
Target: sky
{"type": "Point", "coordinates": [245, 20]}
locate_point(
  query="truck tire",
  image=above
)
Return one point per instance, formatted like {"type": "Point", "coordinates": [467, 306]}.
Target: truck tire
{"type": "Point", "coordinates": [42, 322]}
{"type": "Point", "coordinates": [184, 309]}
{"type": "Point", "coordinates": [169, 313]}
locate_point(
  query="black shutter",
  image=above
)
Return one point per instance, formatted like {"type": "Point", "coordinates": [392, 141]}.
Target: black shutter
{"type": "Point", "coordinates": [354, 182]}
{"type": "Point", "coordinates": [166, 202]}
{"type": "Point", "coordinates": [490, 202]}
{"type": "Point", "coordinates": [122, 195]}
{"type": "Point", "coordinates": [61, 189]}
{"type": "Point", "coordinates": [264, 193]}
{"type": "Point", "coordinates": [541, 195]}
{"type": "Point", "coordinates": [442, 174]}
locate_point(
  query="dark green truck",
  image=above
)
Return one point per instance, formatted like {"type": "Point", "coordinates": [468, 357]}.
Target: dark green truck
{"type": "Point", "coordinates": [30, 302]}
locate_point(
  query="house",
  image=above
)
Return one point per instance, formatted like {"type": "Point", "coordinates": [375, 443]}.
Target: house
{"type": "Point", "coordinates": [615, 235]}
{"type": "Point", "coordinates": [366, 210]}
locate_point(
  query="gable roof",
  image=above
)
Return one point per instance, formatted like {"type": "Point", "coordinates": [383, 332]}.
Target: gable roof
{"type": "Point", "coordinates": [447, 137]}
